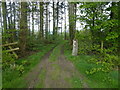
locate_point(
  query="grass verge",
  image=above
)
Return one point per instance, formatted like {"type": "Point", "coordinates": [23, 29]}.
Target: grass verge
{"type": "Point", "coordinates": [75, 82]}
{"type": "Point", "coordinates": [96, 80]}
{"type": "Point", "coordinates": [13, 79]}
{"type": "Point", "coordinates": [41, 77]}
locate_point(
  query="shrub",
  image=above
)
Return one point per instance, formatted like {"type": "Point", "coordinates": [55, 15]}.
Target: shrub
{"type": "Point", "coordinates": [8, 60]}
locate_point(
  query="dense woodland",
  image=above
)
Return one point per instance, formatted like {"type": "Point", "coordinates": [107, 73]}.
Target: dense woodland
{"type": "Point", "coordinates": [38, 27]}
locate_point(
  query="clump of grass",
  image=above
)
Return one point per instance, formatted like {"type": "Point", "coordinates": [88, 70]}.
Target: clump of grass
{"type": "Point", "coordinates": [75, 82]}
{"type": "Point", "coordinates": [54, 55]}
{"type": "Point", "coordinates": [56, 72]}
{"type": "Point", "coordinates": [41, 78]}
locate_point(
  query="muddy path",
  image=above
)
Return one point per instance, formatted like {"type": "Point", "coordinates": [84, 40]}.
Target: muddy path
{"type": "Point", "coordinates": [33, 76]}
{"type": "Point", "coordinates": [57, 75]}
{"type": "Point", "coordinates": [60, 72]}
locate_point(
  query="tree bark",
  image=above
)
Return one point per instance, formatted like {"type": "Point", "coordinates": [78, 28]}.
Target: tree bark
{"type": "Point", "coordinates": [23, 29]}
{"type": "Point", "coordinates": [4, 11]}
{"type": "Point", "coordinates": [46, 27]}
{"type": "Point", "coordinates": [32, 19]}
{"type": "Point", "coordinates": [14, 23]}
{"type": "Point", "coordinates": [41, 21]}
{"type": "Point", "coordinates": [65, 24]}
{"type": "Point", "coordinates": [119, 28]}
{"type": "Point", "coordinates": [53, 21]}
{"type": "Point", "coordinates": [57, 16]}
{"type": "Point", "coordinates": [72, 22]}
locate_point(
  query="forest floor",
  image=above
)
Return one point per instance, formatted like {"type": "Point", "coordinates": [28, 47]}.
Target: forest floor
{"type": "Point", "coordinates": [54, 72]}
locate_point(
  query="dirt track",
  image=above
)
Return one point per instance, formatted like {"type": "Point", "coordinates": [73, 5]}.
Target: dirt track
{"type": "Point", "coordinates": [58, 73]}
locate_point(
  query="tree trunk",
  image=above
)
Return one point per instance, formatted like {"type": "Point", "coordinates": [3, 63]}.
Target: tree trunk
{"type": "Point", "coordinates": [46, 27]}
{"type": "Point", "coordinates": [14, 33]}
{"type": "Point", "coordinates": [41, 21]}
{"type": "Point", "coordinates": [72, 22]}
{"type": "Point", "coordinates": [65, 23]}
{"type": "Point", "coordinates": [101, 46]}
{"type": "Point", "coordinates": [61, 27]}
{"type": "Point", "coordinates": [92, 27]}
{"type": "Point", "coordinates": [119, 28]}
{"type": "Point", "coordinates": [32, 20]}
{"type": "Point", "coordinates": [49, 24]}
{"type": "Point", "coordinates": [23, 29]}
{"type": "Point", "coordinates": [29, 30]}
{"type": "Point", "coordinates": [57, 16]}
{"type": "Point", "coordinates": [53, 21]}
{"type": "Point", "coordinates": [4, 11]}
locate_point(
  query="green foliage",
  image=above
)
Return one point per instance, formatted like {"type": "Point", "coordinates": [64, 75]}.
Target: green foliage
{"type": "Point", "coordinates": [102, 31]}
{"type": "Point", "coordinates": [107, 61]}
{"type": "Point", "coordinates": [20, 68]}
{"type": "Point", "coordinates": [8, 60]}
{"type": "Point", "coordinates": [32, 43]}
{"type": "Point", "coordinates": [112, 36]}
{"type": "Point", "coordinates": [103, 26]}
{"type": "Point", "coordinates": [111, 58]}
{"type": "Point", "coordinates": [94, 70]}
{"type": "Point", "coordinates": [14, 77]}
{"type": "Point", "coordinates": [84, 41]}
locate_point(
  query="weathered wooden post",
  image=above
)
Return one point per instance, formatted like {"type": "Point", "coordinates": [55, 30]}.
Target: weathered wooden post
{"type": "Point", "coordinates": [75, 48]}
